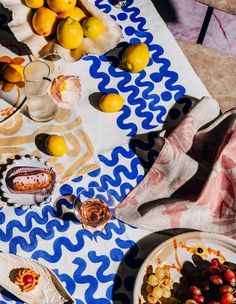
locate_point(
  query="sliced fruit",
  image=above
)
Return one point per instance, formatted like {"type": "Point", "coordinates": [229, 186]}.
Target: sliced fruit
{"type": "Point", "coordinates": [5, 59]}
{"type": "Point", "coordinates": [13, 73]}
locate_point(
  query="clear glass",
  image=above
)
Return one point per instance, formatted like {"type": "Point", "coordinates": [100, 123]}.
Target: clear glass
{"type": "Point", "coordinates": [41, 106]}
{"type": "Point", "coordinates": [94, 207]}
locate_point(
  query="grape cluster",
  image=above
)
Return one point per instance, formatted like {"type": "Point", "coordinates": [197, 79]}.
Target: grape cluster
{"type": "Point", "coordinates": [159, 285]}
{"type": "Point", "coordinates": [217, 285]}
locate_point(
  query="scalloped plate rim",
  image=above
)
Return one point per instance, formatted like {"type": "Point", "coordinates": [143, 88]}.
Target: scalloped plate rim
{"type": "Point", "coordinates": [4, 188]}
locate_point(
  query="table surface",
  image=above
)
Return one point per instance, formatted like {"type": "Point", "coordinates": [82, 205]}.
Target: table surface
{"type": "Point", "coordinates": [101, 268]}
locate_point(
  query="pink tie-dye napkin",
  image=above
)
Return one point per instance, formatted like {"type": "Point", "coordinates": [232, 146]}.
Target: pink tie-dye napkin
{"type": "Point", "coordinates": [192, 183]}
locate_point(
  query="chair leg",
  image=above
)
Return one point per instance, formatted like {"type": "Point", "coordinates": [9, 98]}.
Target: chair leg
{"type": "Point", "coordinates": [205, 25]}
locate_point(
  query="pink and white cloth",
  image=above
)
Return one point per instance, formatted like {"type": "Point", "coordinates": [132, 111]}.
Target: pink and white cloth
{"type": "Point", "coordinates": [192, 183]}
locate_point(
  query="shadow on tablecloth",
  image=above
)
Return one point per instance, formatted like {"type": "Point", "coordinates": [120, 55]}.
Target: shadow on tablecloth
{"type": "Point", "coordinates": [143, 145]}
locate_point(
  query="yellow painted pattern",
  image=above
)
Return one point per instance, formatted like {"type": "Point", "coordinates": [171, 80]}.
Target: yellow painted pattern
{"type": "Point", "coordinates": [18, 136]}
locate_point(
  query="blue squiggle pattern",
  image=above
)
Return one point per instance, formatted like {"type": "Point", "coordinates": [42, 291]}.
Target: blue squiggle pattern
{"type": "Point", "coordinates": [86, 263]}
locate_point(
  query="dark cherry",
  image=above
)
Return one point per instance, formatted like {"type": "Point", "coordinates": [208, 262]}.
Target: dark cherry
{"type": "Point", "coordinates": [215, 262]}
{"type": "Point", "coordinates": [198, 298]}
{"type": "Point", "coordinates": [215, 270]}
{"type": "Point", "coordinates": [216, 279]}
{"type": "Point", "coordinates": [205, 285]}
{"type": "Point", "coordinates": [194, 290]}
{"type": "Point", "coordinates": [226, 298]}
{"type": "Point", "coordinates": [229, 276]}
{"type": "Point", "coordinates": [225, 289]}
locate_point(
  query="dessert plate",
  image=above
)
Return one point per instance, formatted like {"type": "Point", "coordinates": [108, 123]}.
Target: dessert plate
{"type": "Point", "coordinates": [45, 289]}
{"type": "Point", "coordinates": [10, 106]}
{"type": "Point", "coordinates": [28, 181]}
{"type": "Point", "coordinates": [13, 100]}
{"type": "Point", "coordinates": [180, 249]}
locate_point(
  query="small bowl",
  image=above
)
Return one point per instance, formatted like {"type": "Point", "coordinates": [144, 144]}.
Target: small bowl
{"type": "Point", "coordinates": [94, 207]}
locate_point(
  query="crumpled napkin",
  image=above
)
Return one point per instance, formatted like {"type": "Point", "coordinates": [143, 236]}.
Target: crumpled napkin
{"type": "Point", "coordinates": [192, 183]}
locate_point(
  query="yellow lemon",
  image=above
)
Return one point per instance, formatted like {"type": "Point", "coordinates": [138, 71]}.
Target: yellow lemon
{"type": "Point", "coordinates": [61, 6]}
{"type": "Point", "coordinates": [44, 21]}
{"type": "Point", "coordinates": [56, 145]}
{"type": "Point", "coordinates": [135, 57]}
{"type": "Point", "coordinates": [92, 27]}
{"type": "Point", "coordinates": [34, 3]}
{"type": "Point", "coordinates": [111, 102]}
{"type": "Point", "coordinates": [69, 33]}
{"type": "Point", "coordinates": [13, 73]}
{"type": "Point", "coordinates": [76, 13]}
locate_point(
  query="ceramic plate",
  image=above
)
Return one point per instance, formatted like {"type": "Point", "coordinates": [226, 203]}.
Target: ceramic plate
{"type": "Point", "coordinates": [10, 102]}
{"type": "Point", "coordinates": [180, 249]}
{"type": "Point", "coordinates": [48, 289]}
{"type": "Point", "coordinates": [29, 198]}
{"type": "Point", "coordinates": [9, 105]}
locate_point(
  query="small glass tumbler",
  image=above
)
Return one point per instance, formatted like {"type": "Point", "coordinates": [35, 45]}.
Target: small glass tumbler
{"type": "Point", "coordinates": [94, 207]}
{"type": "Point", "coordinates": [41, 106]}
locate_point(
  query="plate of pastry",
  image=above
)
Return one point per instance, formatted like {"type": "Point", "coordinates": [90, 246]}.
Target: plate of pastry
{"type": "Point", "coordinates": [28, 181]}
{"type": "Point", "coordinates": [12, 93]}
{"type": "Point", "coordinates": [31, 281]}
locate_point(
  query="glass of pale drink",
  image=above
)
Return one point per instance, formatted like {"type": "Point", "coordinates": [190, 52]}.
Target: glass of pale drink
{"type": "Point", "coordinates": [94, 207]}
{"type": "Point", "coordinates": [41, 106]}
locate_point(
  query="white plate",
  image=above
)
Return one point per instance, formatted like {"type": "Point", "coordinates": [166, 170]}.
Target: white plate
{"type": "Point", "coordinates": [5, 104]}
{"type": "Point", "coordinates": [186, 245]}
{"type": "Point", "coordinates": [49, 289]}
{"type": "Point", "coordinates": [29, 200]}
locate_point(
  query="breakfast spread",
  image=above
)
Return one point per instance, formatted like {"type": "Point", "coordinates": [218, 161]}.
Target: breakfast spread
{"type": "Point", "coordinates": [27, 279]}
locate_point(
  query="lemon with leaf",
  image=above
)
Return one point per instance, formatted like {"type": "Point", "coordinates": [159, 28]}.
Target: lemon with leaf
{"type": "Point", "coordinates": [76, 13]}
{"type": "Point", "coordinates": [69, 33]}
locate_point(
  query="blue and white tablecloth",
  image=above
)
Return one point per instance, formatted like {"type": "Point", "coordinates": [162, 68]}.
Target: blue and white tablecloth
{"type": "Point", "coordinates": [101, 268]}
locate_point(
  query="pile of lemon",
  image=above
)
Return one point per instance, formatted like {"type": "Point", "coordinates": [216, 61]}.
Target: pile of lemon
{"type": "Point", "coordinates": [62, 17]}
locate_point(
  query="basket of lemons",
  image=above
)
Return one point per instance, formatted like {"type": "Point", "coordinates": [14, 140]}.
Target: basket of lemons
{"type": "Point", "coordinates": [68, 29]}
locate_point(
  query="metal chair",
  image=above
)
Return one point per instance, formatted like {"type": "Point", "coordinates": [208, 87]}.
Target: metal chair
{"type": "Point", "coordinates": [215, 69]}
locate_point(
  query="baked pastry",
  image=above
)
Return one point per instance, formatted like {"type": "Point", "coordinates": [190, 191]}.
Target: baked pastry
{"type": "Point", "coordinates": [30, 180]}
{"type": "Point", "coordinates": [27, 279]}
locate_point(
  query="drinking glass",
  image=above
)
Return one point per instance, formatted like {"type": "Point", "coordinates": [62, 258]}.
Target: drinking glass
{"type": "Point", "coordinates": [94, 207]}
{"type": "Point", "coordinates": [41, 106]}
